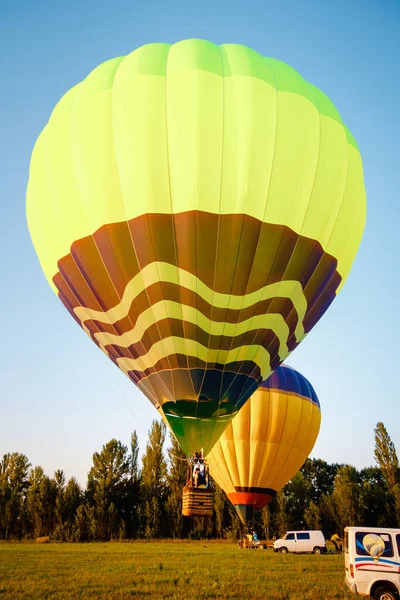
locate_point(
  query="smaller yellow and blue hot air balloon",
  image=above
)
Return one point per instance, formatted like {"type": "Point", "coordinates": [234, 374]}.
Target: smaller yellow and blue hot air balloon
{"type": "Point", "coordinates": [267, 441]}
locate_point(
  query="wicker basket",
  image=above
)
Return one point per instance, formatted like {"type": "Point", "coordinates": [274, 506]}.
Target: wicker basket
{"type": "Point", "coordinates": [197, 502]}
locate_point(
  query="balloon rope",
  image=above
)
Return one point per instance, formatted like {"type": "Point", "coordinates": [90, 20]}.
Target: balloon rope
{"type": "Point", "coordinates": [143, 429]}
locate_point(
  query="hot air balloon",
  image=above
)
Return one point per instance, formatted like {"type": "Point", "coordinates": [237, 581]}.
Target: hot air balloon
{"type": "Point", "coordinates": [374, 545]}
{"type": "Point", "coordinates": [196, 208]}
{"type": "Point", "coordinates": [267, 441]}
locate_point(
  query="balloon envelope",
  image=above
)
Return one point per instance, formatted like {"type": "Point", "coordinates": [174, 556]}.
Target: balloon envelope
{"type": "Point", "coordinates": [267, 441]}
{"type": "Point", "coordinates": [196, 208]}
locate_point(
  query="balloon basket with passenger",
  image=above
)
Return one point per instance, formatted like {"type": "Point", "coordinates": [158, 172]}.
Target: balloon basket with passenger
{"type": "Point", "coordinates": [197, 495]}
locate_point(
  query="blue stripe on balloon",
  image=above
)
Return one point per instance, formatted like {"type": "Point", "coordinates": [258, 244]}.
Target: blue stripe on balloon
{"type": "Point", "coordinates": [289, 380]}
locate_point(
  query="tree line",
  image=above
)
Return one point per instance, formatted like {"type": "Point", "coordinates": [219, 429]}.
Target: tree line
{"type": "Point", "coordinates": [129, 498]}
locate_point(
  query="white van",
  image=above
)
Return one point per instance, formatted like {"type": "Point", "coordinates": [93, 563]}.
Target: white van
{"type": "Point", "coordinates": [372, 561]}
{"type": "Point", "coordinates": [301, 541]}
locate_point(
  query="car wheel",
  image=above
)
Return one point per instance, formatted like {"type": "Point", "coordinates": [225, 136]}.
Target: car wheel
{"type": "Point", "coordinates": [317, 550]}
{"type": "Point", "coordinates": [385, 593]}
{"type": "Point", "coordinates": [283, 550]}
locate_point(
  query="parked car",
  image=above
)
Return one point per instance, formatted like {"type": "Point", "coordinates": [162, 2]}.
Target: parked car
{"type": "Point", "coordinates": [372, 561]}
{"type": "Point", "coordinates": [301, 541]}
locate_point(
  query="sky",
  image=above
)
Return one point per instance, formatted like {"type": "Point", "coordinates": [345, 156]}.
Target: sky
{"type": "Point", "coordinates": [61, 399]}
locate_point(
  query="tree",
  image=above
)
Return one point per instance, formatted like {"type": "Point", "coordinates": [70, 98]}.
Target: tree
{"type": "Point", "coordinates": [235, 531]}
{"type": "Point", "coordinates": [131, 516]}
{"type": "Point", "coordinates": [14, 470]}
{"type": "Point", "coordinates": [376, 505]}
{"type": "Point", "coordinates": [73, 499]}
{"type": "Point", "coordinates": [59, 484]}
{"type": "Point", "coordinates": [154, 482]}
{"type": "Point", "coordinates": [40, 498]}
{"type": "Point", "coordinates": [85, 525]}
{"type": "Point", "coordinates": [312, 516]}
{"type": "Point", "coordinates": [281, 518]}
{"type": "Point", "coordinates": [266, 520]}
{"type": "Point", "coordinates": [328, 515]}
{"type": "Point", "coordinates": [320, 476]}
{"type": "Point", "coordinates": [176, 481]}
{"type": "Point", "coordinates": [220, 501]}
{"type": "Point", "coordinates": [297, 498]}
{"type": "Point", "coordinates": [134, 458]}
{"type": "Point", "coordinates": [346, 497]}
{"type": "Point", "coordinates": [108, 485]}
{"type": "Point", "coordinates": [386, 457]}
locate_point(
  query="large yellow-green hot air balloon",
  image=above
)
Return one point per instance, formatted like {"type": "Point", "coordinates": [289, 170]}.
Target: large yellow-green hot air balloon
{"type": "Point", "coordinates": [196, 208]}
{"type": "Point", "coordinates": [267, 442]}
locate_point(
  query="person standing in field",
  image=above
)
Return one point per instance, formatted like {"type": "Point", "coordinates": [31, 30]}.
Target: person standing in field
{"type": "Point", "coordinates": [337, 542]}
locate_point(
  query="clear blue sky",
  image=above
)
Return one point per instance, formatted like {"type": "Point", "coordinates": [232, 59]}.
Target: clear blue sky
{"type": "Point", "coordinates": [60, 396]}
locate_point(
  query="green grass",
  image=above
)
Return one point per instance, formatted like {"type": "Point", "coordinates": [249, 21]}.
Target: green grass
{"type": "Point", "coordinates": [158, 570]}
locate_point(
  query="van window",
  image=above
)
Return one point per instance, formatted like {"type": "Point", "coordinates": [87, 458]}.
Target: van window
{"type": "Point", "coordinates": [398, 543]}
{"type": "Point", "coordinates": [289, 536]}
{"type": "Point", "coordinates": [304, 535]}
{"type": "Point", "coordinates": [365, 551]}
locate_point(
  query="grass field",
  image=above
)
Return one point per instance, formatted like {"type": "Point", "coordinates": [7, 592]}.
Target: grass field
{"type": "Point", "coordinates": [158, 570]}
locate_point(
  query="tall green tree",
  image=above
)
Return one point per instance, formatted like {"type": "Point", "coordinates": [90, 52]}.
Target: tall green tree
{"type": "Point", "coordinates": [154, 483]}
{"type": "Point", "coordinates": [281, 517]}
{"type": "Point", "coordinates": [328, 515]}
{"type": "Point", "coordinates": [320, 475]}
{"type": "Point", "coordinates": [176, 481]}
{"type": "Point", "coordinates": [297, 498]}
{"type": "Point", "coordinates": [14, 469]}
{"type": "Point", "coordinates": [386, 456]}
{"type": "Point", "coordinates": [388, 462]}
{"type": "Point", "coordinates": [312, 516]}
{"type": "Point", "coordinates": [132, 513]}
{"type": "Point", "coordinates": [220, 510]}
{"type": "Point", "coordinates": [85, 524]}
{"type": "Point", "coordinates": [376, 507]}
{"type": "Point", "coordinates": [59, 483]}
{"type": "Point", "coordinates": [234, 529]}
{"type": "Point", "coordinates": [41, 499]}
{"type": "Point", "coordinates": [73, 499]}
{"type": "Point", "coordinates": [346, 497]}
{"type": "Point", "coordinates": [266, 521]}
{"type": "Point", "coordinates": [108, 487]}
